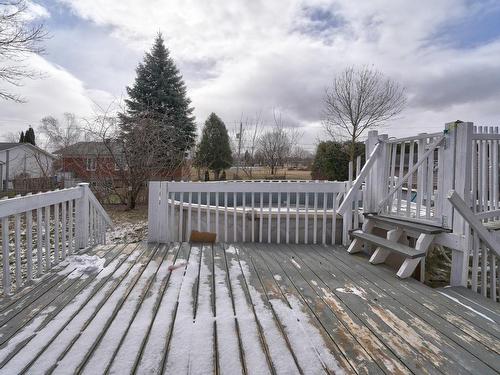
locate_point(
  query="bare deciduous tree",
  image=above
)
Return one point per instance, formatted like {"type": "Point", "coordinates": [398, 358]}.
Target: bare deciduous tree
{"type": "Point", "coordinates": [128, 161]}
{"type": "Point", "coordinates": [18, 38]}
{"type": "Point", "coordinates": [275, 146]}
{"type": "Point", "coordinates": [360, 99]}
{"type": "Point", "coordinates": [250, 133]}
{"type": "Point", "coordinates": [60, 134]}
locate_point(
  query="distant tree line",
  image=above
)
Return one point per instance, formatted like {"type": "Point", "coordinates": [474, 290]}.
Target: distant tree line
{"type": "Point", "coordinates": [28, 137]}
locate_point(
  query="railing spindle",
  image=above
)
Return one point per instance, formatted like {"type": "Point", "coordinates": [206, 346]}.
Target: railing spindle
{"type": "Point", "coordinates": [17, 249]}
{"type": "Point", "coordinates": [5, 255]}
{"type": "Point", "coordinates": [29, 244]}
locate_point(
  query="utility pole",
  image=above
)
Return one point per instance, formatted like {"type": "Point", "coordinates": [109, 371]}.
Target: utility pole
{"type": "Point", "coordinates": [239, 151]}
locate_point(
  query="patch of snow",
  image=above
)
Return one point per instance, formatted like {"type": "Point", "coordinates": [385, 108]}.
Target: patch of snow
{"type": "Point", "coordinates": [467, 306]}
{"type": "Point", "coordinates": [91, 332]}
{"type": "Point", "coordinates": [125, 357]}
{"type": "Point", "coordinates": [277, 277]}
{"type": "Point", "coordinates": [79, 322]}
{"type": "Point", "coordinates": [280, 355]}
{"type": "Point", "coordinates": [155, 346]}
{"type": "Point", "coordinates": [127, 232]}
{"type": "Point", "coordinates": [180, 345]}
{"type": "Point", "coordinates": [305, 339]}
{"type": "Point", "coordinates": [44, 335]}
{"type": "Point", "coordinates": [352, 290]}
{"type": "Point", "coordinates": [295, 263]}
{"type": "Point", "coordinates": [85, 264]}
{"type": "Point", "coordinates": [231, 250]}
{"type": "Point", "coordinates": [248, 328]}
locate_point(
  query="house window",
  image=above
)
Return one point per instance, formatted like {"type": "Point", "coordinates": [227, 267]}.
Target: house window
{"type": "Point", "coordinates": [90, 164]}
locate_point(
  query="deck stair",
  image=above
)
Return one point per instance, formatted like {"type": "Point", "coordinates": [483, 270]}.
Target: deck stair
{"type": "Point", "coordinates": [395, 241]}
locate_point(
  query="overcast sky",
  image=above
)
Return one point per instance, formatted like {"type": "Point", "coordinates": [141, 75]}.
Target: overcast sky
{"type": "Point", "coordinates": [242, 57]}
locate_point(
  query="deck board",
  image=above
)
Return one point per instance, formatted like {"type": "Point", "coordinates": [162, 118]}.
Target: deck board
{"type": "Point", "coordinates": [414, 330]}
{"type": "Point", "coordinates": [482, 345]}
{"type": "Point", "coordinates": [242, 308]}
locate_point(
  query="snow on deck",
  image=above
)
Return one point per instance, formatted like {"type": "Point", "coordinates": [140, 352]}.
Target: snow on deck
{"type": "Point", "coordinates": [245, 308]}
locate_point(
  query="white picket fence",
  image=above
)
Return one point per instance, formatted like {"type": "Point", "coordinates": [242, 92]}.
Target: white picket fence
{"type": "Point", "coordinates": [247, 211]}
{"type": "Point", "coordinates": [41, 230]}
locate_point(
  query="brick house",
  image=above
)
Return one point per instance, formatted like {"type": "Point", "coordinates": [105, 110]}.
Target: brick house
{"type": "Point", "coordinates": [96, 162]}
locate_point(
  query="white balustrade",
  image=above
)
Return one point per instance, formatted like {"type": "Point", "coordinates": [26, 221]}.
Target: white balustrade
{"type": "Point", "coordinates": [41, 230]}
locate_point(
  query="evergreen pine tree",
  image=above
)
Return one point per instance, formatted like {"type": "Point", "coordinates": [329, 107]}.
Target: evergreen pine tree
{"type": "Point", "coordinates": [214, 151]}
{"type": "Point", "coordinates": [159, 95]}
{"type": "Point", "coordinates": [29, 136]}
{"type": "Point", "coordinates": [21, 137]}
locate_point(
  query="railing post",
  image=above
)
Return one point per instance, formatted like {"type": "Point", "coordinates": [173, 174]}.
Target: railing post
{"type": "Point", "coordinates": [158, 212]}
{"type": "Point", "coordinates": [457, 173]}
{"type": "Point", "coordinates": [368, 197]}
{"type": "Point", "coordinates": [82, 217]}
{"type": "Point", "coordinates": [376, 182]}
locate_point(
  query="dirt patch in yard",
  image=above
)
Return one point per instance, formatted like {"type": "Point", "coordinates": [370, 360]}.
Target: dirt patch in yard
{"type": "Point", "coordinates": [129, 225]}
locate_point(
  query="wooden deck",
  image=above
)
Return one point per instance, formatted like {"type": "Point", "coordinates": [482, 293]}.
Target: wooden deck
{"type": "Point", "coordinates": [245, 308]}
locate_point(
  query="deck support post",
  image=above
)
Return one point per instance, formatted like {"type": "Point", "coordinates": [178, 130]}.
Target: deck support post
{"type": "Point", "coordinates": [82, 217]}
{"type": "Point", "coordinates": [460, 135]}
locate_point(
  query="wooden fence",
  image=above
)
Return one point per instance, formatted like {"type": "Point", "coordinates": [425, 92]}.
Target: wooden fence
{"type": "Point", "coordinates": [55, 224]}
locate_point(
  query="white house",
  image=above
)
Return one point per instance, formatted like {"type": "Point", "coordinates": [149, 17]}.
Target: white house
{"type": "Point", "coordinates": [23, 160]}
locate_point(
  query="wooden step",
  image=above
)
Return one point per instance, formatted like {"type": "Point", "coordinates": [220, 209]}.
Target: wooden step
{"type": "Point", "coordinates": [401, 223]}
{"type": "Point", "coordinates": [492, 225]}
{"type": "Point", "coordinates": [389, 245]}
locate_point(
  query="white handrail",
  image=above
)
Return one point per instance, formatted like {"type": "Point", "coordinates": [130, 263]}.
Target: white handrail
{"type": "Point", "coordinates": [57, 223]}
{"type": "Point", "coordinates": [459, 205]}
{"type": "Point", "coordinates": [359, 180]}
{"type": "Point", "coordinates": [100, 209]}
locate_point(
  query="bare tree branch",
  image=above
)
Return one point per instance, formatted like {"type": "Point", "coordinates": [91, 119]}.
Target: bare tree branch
{"type": "Point", "coordinates": [360, 99]}
{"type": "Point", "coordinates": [275, 146]}
{"type": "Point", "coordinates": [19, 37]}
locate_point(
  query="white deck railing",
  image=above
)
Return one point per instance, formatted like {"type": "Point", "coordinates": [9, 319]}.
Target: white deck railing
{"type": "Point", "coordinates": [483, 269]}
{"type": "Point", "coordinates": [40, 230]}
{"type": "Point", "coordinates": [246, 211]}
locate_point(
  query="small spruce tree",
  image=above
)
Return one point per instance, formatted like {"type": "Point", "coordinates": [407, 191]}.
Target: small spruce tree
{"type": "Point", "coordinates": [21, 137]}
{"type": "Point", "coordinates": [214, 151]}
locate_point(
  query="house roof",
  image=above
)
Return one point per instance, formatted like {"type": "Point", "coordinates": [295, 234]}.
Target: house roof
{"type": "Point", "coordinates": [87, 148]}
{"type": "Point", "coordinates": [4, 146]}
{"type": "Point", "coordinates": [8, 145]}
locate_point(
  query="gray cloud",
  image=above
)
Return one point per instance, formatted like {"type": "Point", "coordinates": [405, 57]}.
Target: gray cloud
{"type": "Point", "coordinates": [256, 56]}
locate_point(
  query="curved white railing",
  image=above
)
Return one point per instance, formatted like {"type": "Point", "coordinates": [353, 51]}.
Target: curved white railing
{"type": "Point", "coordinates": [39, 230]}
{"type": "Point", "coordinates": [237, 211]}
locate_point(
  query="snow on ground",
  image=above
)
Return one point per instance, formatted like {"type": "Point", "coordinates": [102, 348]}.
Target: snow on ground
{"type": "Point", "coordinates": [127, 232]}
